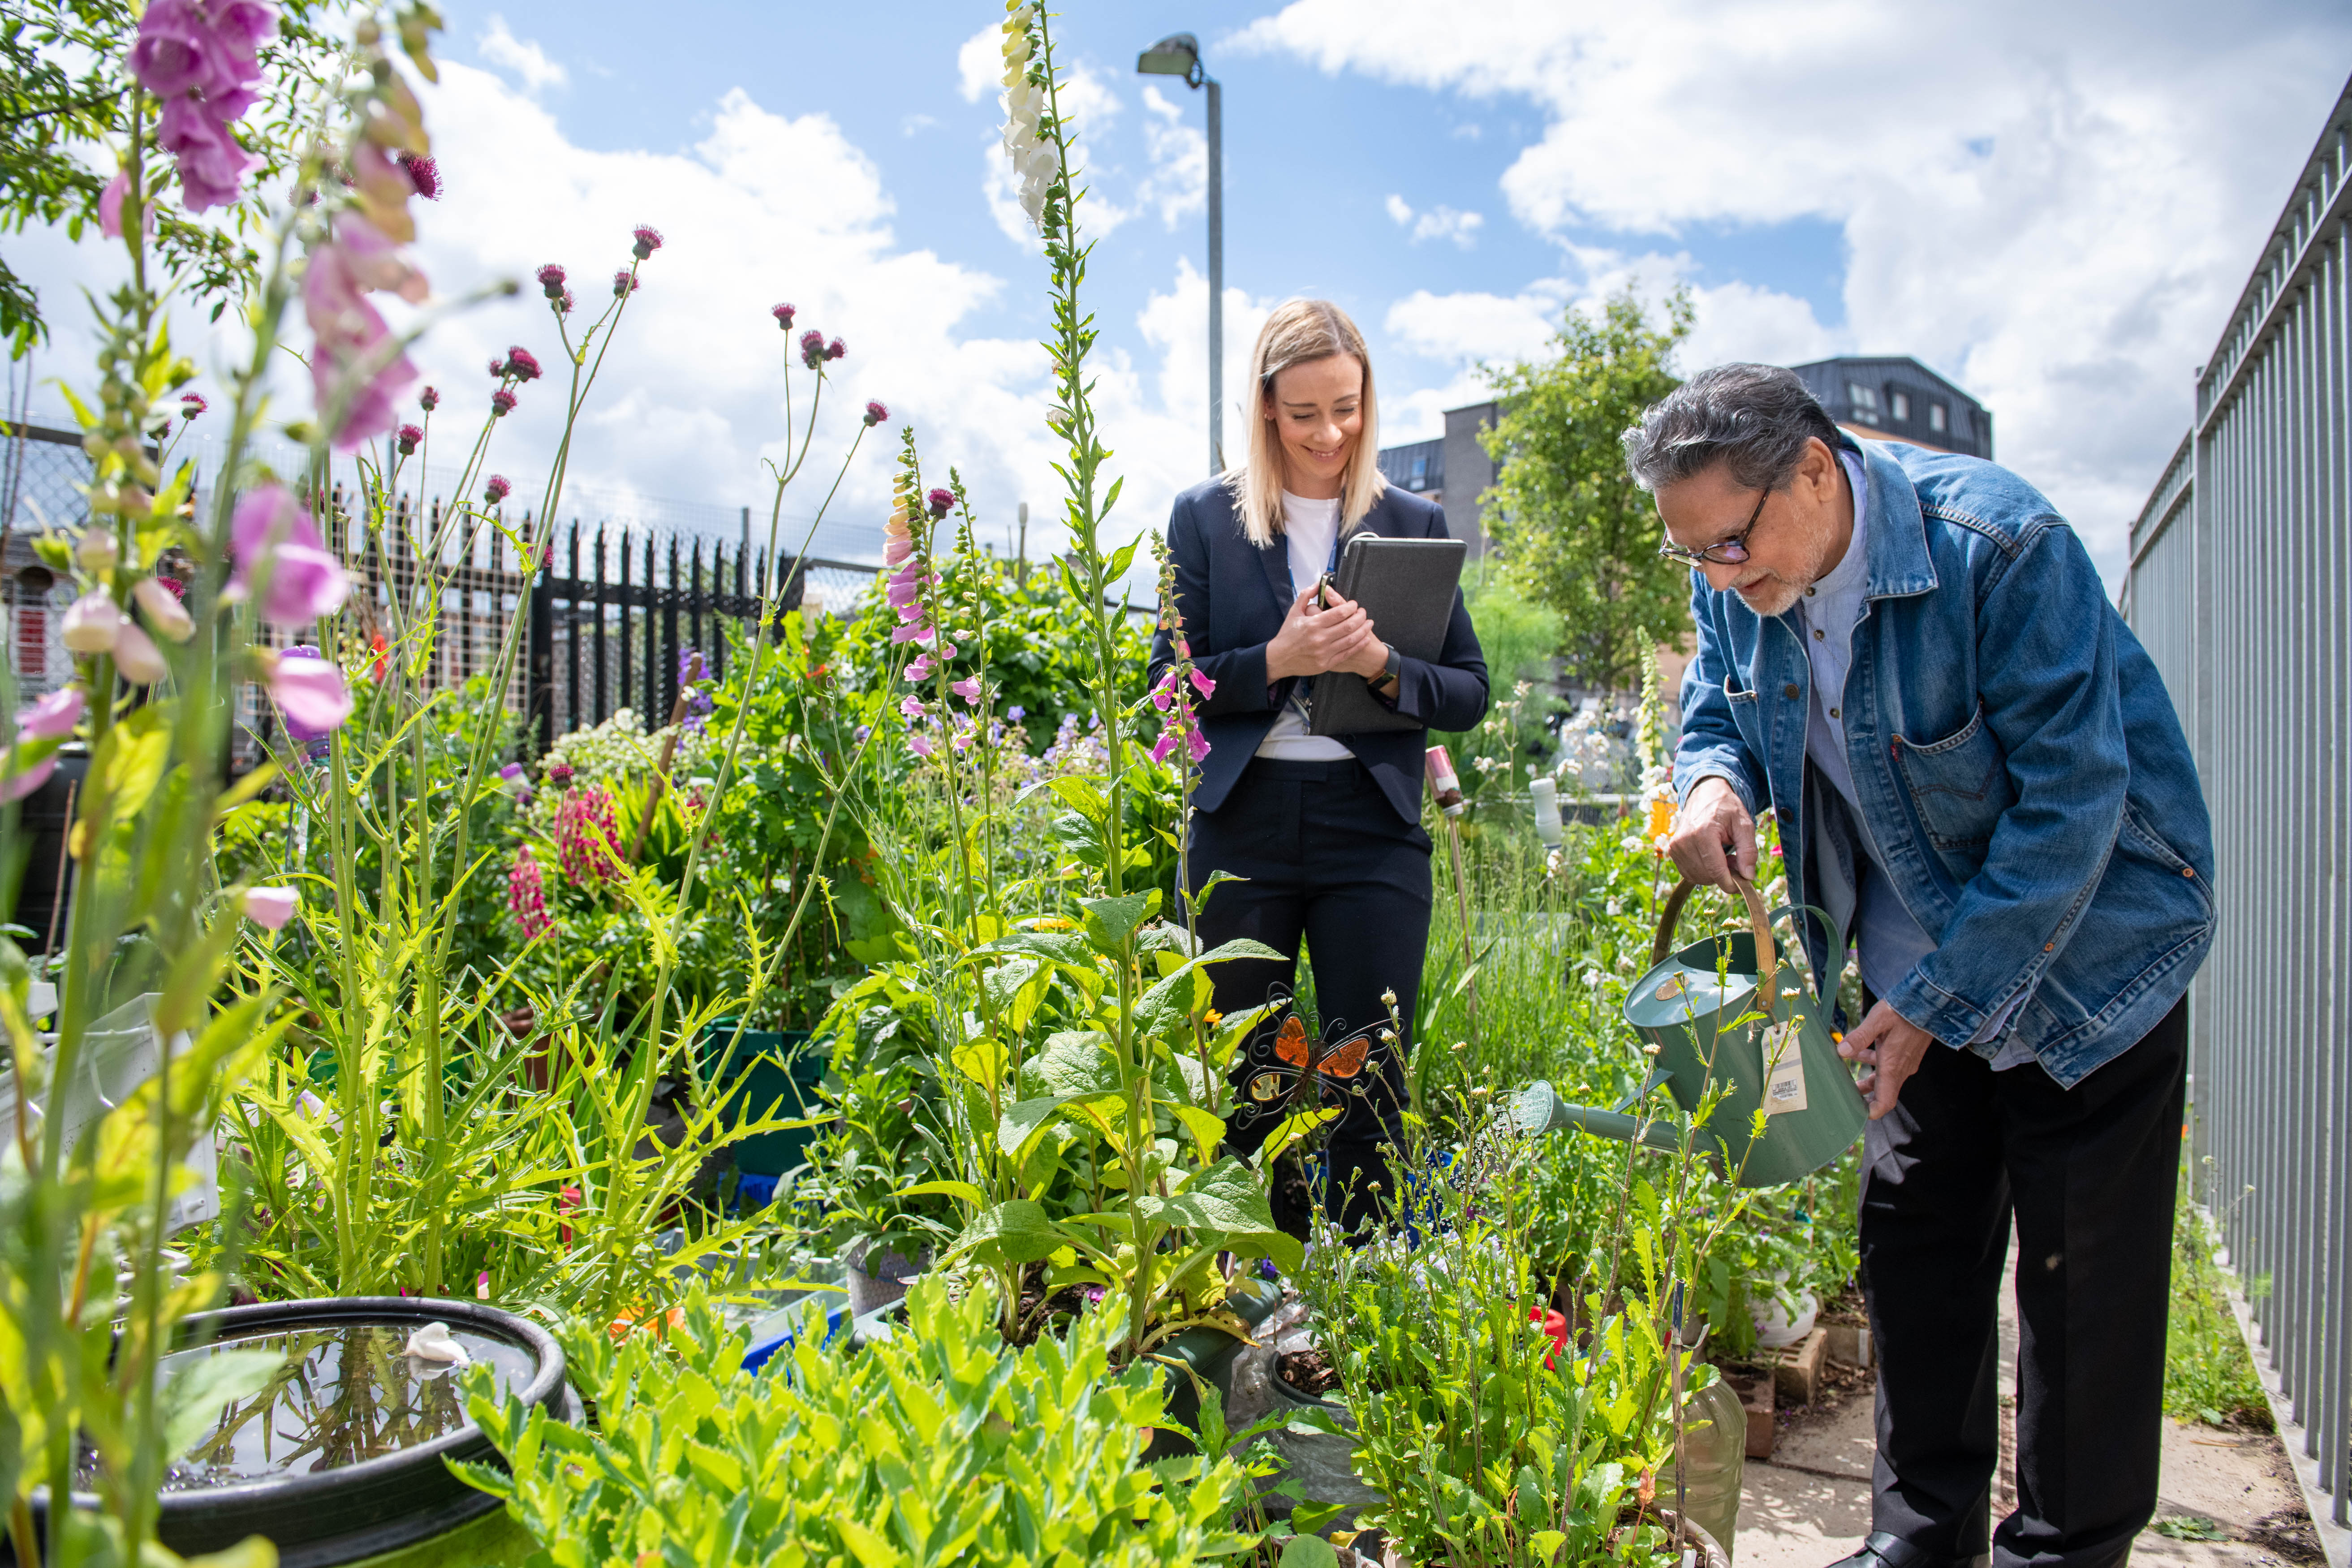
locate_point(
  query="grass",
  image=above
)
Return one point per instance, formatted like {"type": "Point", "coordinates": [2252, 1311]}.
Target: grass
{"type": "Point", "coordinates": [2209, 1376]}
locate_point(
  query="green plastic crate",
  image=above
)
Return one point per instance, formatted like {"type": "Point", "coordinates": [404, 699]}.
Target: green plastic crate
{"type": "Point", "coordinates": [770, 1071]}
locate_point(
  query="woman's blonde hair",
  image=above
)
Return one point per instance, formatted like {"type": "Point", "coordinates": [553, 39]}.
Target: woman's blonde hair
{"type": "Point", "coordinates": [1300, 331]}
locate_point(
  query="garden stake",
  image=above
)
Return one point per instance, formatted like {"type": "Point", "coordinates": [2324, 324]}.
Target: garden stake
{"type": "Point", "coordinates": [670, 750]}
{"type": "Point", "coordinates": [1674, 1351]}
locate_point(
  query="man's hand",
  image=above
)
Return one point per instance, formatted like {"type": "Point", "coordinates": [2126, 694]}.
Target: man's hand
{"type": "Point", "coordinates": [1712, 822]}
{"type": "Point", "coordinates": [1891, 1046]}
{"type": "Point", "coordinates": [1314, 641]}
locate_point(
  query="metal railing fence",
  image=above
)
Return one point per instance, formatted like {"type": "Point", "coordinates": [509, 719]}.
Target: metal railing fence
{"type": "Point", "coordinates": [2239, 585]}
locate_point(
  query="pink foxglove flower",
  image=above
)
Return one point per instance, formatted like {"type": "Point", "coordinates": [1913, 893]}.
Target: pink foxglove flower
{"type": "Point", "coordinates": [161, 606]}
{"type": "Point", "coordinates": [109, 206]}
{"type": "Point", "coordinates": [136, 658]}
{"type": "Point", "coordinates": [920, 668]}
{"type": "Point", "coordinates": [968, 688]}
{"type": "Point", "coordinates": [1204, 685]}
{"type": "Point", "coordinates": [270, 908]}
{"type": "Point", "coordinates": [16, 786]}
{"type": "Point", "coordinates": [212, 165]}
{"type": "Point", "coordinates": [53, 718]}
{"type": "Point", "coordinates": [304, 580]}
{"type": "Point", "coordinates": [356, 356]}
{"type": "Point", "coordinates": [309, 692]}
{"type": "Point", "coordinates": [92, 623]}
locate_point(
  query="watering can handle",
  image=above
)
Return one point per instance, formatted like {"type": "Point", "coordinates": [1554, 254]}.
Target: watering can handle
{"type": "Point", "coordinates": [1760, 921]}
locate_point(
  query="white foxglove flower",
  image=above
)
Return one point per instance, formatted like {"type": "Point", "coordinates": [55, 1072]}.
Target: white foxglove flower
{"type": "Point", "coordinates": [92, 623]}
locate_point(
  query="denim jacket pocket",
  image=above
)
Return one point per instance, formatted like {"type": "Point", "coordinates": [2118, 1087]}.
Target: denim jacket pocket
{"type": "Point", "coordinates": [1960, 784]}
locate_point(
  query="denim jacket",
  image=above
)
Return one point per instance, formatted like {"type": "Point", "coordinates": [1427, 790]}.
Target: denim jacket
{"type": "Point", "coordinates": [2018, 763]}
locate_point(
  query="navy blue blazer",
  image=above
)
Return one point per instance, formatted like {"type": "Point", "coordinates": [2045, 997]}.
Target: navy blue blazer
{"type": "Point", "coordinates": [1234, 595]}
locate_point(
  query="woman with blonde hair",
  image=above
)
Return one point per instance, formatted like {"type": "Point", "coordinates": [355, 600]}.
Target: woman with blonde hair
{"type": "Point", "coordinates": [1324, 830]}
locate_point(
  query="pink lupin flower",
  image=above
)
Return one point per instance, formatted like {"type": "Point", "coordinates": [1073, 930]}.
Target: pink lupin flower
{"type": "Point", "coordinates": [527, 895]}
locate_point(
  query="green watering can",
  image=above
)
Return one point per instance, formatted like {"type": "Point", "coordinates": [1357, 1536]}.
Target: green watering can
{"type": "Point", "coordinates": [1685, 1006]}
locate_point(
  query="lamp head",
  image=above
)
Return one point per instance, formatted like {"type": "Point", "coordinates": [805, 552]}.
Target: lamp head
{"type": "Point", "coordinates": [1177, 54]}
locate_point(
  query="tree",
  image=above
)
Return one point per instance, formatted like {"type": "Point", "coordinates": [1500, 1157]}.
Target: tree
{"type": "Point", "coordinates": [1574, 530]}
{"type": "Point", "coordinates": [61, 108]}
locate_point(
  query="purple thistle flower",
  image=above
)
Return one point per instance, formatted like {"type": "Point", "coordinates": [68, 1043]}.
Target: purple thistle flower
{"type": "Point", "coordinates": [550, 281]}
{"type": "Point", "coordinates": [193, 404]}
{"type": "Point", "coordinates": [502, 403]}
{"type": "Point", "coordinates": [813, 348]}
{"type": "Point", "coordinates": [498, 366]}
{"type": "Point", "coordinates": [875, 414]}
{"type": "Point", "coordinates": [648, 240]}
{"type": "Point", "coordinates": [563, 305]}
{"type": "Point", "coordinates": [408, 436]}
{"type": "Point", "coordinates": [624, 283]}
{"type": "Point", "coordinates": [498, 490]}
{"type": "Point", "coordinates": [423, 173]}
{"type": "Point", "coordinates": [783, 314]}
{"type": "Point", "coordinates": [941, 502]}
{"type": "Point", "coordinates": [837, 350]}
{"type": "Point", "coordinates": [429, 399]}
{"type": "Point", "coordinates": [521, 365]}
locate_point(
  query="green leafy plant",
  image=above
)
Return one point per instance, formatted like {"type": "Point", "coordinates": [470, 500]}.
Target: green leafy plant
{"type": "Point", "coordinates": [939, 1444]}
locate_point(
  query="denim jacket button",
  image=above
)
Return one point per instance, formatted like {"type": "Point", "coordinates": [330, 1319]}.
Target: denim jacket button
{"type": "Point", "coordinates": [1790, 690]}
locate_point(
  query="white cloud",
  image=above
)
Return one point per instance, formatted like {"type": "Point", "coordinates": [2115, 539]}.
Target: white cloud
{"type": "Point", "coordinates": [980, 63]}
{"type": "Point", "coordinates": [1437, 223]}
{"type": "Point", "coordinates": [2056, 206]}
{"type": "Point", "coordinates": [521, 55]}
{"type": "Point", "coordinates": [1177, 325]}
{"type": "Point", "coordinates": [1178, 183]}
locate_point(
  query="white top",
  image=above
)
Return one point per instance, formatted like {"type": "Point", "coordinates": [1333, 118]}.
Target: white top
{"type": "Point", "coordinates": [1308, 528]}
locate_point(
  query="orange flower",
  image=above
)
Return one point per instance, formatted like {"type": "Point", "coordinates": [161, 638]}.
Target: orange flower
{"type": "Point", "coordinates": [1661, 818]}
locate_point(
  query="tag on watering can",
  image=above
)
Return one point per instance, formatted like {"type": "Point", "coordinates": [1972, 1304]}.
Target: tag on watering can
{"type": "Point", "coordinates": [1784, 1070]}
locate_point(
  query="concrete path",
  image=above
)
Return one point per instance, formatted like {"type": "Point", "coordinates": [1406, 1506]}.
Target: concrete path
{"type": "Point", "coordinates": [1810, 1504]}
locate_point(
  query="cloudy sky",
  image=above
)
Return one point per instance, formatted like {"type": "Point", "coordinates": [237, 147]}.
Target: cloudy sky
{"type": "Point", "coordinates": [2053, 204]}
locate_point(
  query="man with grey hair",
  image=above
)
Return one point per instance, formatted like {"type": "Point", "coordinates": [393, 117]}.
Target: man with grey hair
{"type": "Point", "coordinates": [1907, 658]}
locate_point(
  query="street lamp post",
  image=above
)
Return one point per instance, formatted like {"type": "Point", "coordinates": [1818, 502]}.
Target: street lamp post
{"type": "Point", "coordinates": [1179, 54]}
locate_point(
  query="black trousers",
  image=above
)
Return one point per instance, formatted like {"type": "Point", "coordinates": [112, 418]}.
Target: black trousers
{"type": "Point", "coordinates": [1326, 857]}
{"type": "Point", "coordinates": [2088, 1175]}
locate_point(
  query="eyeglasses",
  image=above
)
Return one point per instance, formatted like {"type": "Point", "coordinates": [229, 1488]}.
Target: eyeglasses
{"type": "Point", "coordinates": [1730, 551]}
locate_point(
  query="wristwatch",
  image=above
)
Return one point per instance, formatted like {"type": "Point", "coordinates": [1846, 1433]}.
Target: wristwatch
{"type": "Point", "coordinates": [1385, 683]}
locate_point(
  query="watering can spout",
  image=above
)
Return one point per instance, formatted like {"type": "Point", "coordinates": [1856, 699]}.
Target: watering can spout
{"type": "Point", "coordinates": [1538, 1109]}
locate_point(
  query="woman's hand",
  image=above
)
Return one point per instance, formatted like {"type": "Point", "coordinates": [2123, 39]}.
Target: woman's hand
{"type": "Point", "coordinates": [1314, 641]}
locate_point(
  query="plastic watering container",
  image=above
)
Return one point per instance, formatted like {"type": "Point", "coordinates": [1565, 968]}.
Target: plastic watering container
{"type": "Point", "coordinates": [1726, 1012]}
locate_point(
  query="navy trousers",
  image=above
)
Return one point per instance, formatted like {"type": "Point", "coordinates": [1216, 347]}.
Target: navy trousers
{"type": "Point", "coordinates": [2087, 1174]}
{"type": "Point", "coordinates": [1326, 857]}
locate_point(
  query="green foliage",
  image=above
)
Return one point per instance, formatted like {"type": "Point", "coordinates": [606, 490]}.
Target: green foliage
{"type": "Point", "coordinates": [2208, 1374]}
{"type": "Point", "coordinates": [1575, 531]}
{"type": "Point", "coordinates": [939, 1444]}
{"type": "Point", "coordinates": [1521, 638]}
